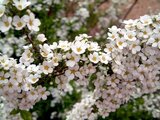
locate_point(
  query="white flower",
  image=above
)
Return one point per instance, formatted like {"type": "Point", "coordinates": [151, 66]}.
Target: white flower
{"type": "Point", "coordinates": [113, 33]}
{"type": "Point", "coordinates": [61, 81]}
{"type": "Point", "coordinates": [27, 55]}
{"type": "Point", "coordinates": [1, 2]}
{"type": "Point", "coordinates": [64, 45]}
{"type": "Point", "coordinates": [121, 43]}
{"type": "Point", "coordinates": [90, 69]}
{"type": "Point", "coordinates": [47, 67]}
{"type": "Point", "coordinates": [55, 59]}
{"type": "Point", "coordinates": [130, 35]}
{"type": "Point", "coordinates": [4, 2]}
{"type": "Point", "coordinates": [129, 23]}
{"type": "Point", "coordinates": [110, 48]}
{"type": "Point", "coordinates": [94, 57]}
{"type": "Point", "coordinates": [45, 50]}
{"type": "Point", "coordinates": [114, 29]}
{"type": "Point", "coordinates": [41, 37]}
{"type": "Point", "coordinates": [72, 72]}
{"type": "Point", "coordinates": [33, 68]}
{"type": "Point", "coordinates": [157, 29]}
{"type": "Point", "coordinates": [154, 40]}
{"type": "Point", "coordinates": [18, 22]}
{"type": "Point", "coordinates": [5, 23]}
{"type": "Point", "coordinates": [145, 33]}
{"type": "Point", "coordinates": [142, 55]}
{"type": "Point", "coordinates": [2, 10]}
{"type": "Point", "coordinates": [32, 95]}
{"type": "Point", "coordinates": [32, 22]}
{"type": "Point", "coordinates": [9, 87]}
{"type": "Point", "coordinates": [104, 58]}
{"type": "Point", "coordinates": [53, 46]}
{"type": "Point", "coordinates": [135, 47]}
{"type": "Point", "coordinates": [78, 47]}
{"type": "Point", "coordinates": [43, 93]}
{"type": "Point", "coordinates": [93, 46]}
{"type": "Point", "coordinates": [140, 25]}
{"type": "Point", "coordinates": [26, 86]}
{"type": "Point", "coordinates": [82, 37]}
{"type": "Point", "coordinates": [21, 4]}
{"type": "Point", "coordinates": [73, 59]}
{"type": "Point", "coordinates": [112, 36]}
{"type": "Point", "coordinates": [83, 12]}
{"type": "Point", "coordinates": [33, 78]}
{"type": "Point", "coordinates": [146, 19]}
{"type": "Point", "coordinates": [4, 77]}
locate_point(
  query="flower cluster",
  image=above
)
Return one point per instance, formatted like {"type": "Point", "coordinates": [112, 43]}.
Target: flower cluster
{"type": "Point", "coordinates": [16, 84]}
{"type": "Point", "coordinates": [8, 45]}
{"type": "Point", "coordinates": [19, 23]}
{"type": "Point", "coordinates": [112, 72]}
{"type": "Point", "coordinates": [152, 104]}
{"type": "Point", "coordinates": [83, 110]}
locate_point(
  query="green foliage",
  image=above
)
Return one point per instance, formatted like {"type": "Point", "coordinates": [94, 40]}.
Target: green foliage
{"type": "Point", "coordinates": [44, 109]}
{"type": "Point", "coordinates": [26, 115]}
{"type": "Point", "coordinates": [14, 112]}
{"type": "Point", "coordinates": [130, 111]}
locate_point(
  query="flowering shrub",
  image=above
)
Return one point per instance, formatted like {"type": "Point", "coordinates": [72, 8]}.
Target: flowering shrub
{"type": "Point", "coordinates": [103, 75]}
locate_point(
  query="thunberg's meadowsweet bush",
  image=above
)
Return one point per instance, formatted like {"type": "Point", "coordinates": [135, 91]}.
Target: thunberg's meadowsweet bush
{"type": "Point", "coordinates": [48, 65]}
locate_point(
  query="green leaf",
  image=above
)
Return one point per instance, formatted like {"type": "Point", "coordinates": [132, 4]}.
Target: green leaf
{"type": "Point", "coordinates": [26, 115]}
{"type": "Point", "coordinates": [14, 112]}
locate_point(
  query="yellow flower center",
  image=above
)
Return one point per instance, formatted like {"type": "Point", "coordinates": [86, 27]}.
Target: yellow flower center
{"type": "Point", "coordinates": [2, 78]}
{"type": "Point", "coordinates": [94, 58]}
{"type": "Point", "coordinates": [34, 79]}
{"type": "Point", "coordinates": [10, 85]}
{"type": "Point", "coordinates": [55, 60]}
{"type": "Point", "coordinates": [72, 58]}
{"type": "Point", "coordinates": [73, 71]}
{"type": "Point", "coordinates": [110, 49]}
{"type": "Point", "coordinates": [31, 22]}
{"type": "Point", "coordinates": [29, 55]}
{"type": "Point", "coordinates": [46, 67]}
{"type": "Point", "coordinates": [79, 49]}
{"type": "Point", "coordinates": [19, 7]}
{"type": "Point", "coordinates": [6, 24]}
{"type": "Point", "coordinates": [19, 24]}
{"type": "Point", "coordinates": [130, 36]}
{"type": "Point", "coordinates": [103, 58]}
{"type": "Point", "coordinates": [134, 45]}
{"type": "Point", "coordinates": [1, 12]}
{"type": "Point", "coordinates": [120, 43]}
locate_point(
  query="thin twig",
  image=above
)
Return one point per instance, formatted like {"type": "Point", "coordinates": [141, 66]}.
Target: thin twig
{"type": "Point", "coordinates": [59, 72]}
{"type": "Point", "coordinates": [29, 39]}
{"type": "Point", "coordinates": [128, 11]}
{"type": "Point", "coordinates": [50, 11]}
{"type": "Point", "coordinates": [34, 47]}
{"type": "Point", "coordinates": [102, 2]}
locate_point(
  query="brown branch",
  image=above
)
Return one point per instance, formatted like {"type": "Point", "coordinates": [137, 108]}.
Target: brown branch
{"type": "Point", "coordinates": [102, 2]}
{"type": "Point", "coordinates": [34, 47]}
{"type": "Point", "coordinates": [50, 11]}
{"type": "Point", "coordinates": [60, 71]}
{"type": "Point", "coordinates": [128, 11]}
{"type": "Point", "coordinates": [30, 41]}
